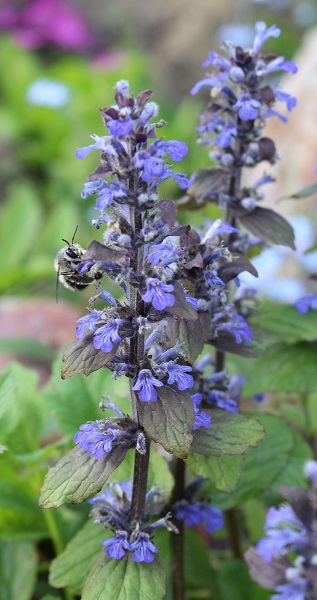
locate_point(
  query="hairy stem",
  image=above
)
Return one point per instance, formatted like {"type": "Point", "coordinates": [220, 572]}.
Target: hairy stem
{"type": "Point", "coordinates": [141, 463]}
{"type": "Point", "coordinates": [233, 531]}
{"type": "Point", "coordinates": [177, 541]}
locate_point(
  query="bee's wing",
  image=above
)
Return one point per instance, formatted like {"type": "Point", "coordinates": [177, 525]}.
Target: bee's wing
{"type": "Point", "coordinates": [58, 270]}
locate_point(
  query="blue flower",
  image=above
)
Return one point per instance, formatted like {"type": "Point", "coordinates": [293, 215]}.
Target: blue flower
{"type": "Point", "coordinates": [295, 590]}
{"type": "Point", "coordinates": [144, 385]}
{"type": "Point", "coordinates": [282, 529]}
{"type": "Point", "coordinates": [289, 100]}
{"type": "Point", "coordinates": [248, 107]}
{"type": "Point", "coordinates": [224, 138]}
{"type": "Point", "coordinates": [101, 143]}
{"type": "Point", "coordinates": [117, 546]}
{"type": "Point", "coordinates": [107, 335]}
{"type": "Point", "coordinates": [201, 419]}
{"type": "Point", "coordinates": [192, 301]}
{"type": "Point", "coordinates": [310, 470]}
{"type": "Point", "coordinates": [277, 64]}
{"type": "Point", "coordinates": [163, 254]}
{"type": "Point", "coordinates": [152, 166]}
{"type": "Point", "coordinates": [121, 126]}
{"type": "Point", "coordinates": [263, 33]}
{"type": "Point", "coordinates": [304, 304]}
{"type": "Point", "coordinates": [238, 327]}
{"type": "Point", "coordinates": [97, 438]}
{"type": "Point", "coordinates": [218, 227]}
{"type": "Point", "coordinates": [213, 280]}
{"type": "Point", "coordinates": [143, 548]}
{"type": "Point", "coordinates": [149, 111]}
{"type": "Point", "coordinates": [196, 513]}
{"type": "Point", "coordinates": [212, 81]}
{"type": "Point", "coordinates": [223, 64]}
{"type": "Point", "coordinates": [158, 293]}
{"type": "Point", "coordinates": [178, 374]}
{"type": "Point", "coordinates": [110, 192]}
{"type": "Point", "coordinates": [87, 322]}
{"type": "Point", "coordinates": [175, 149]}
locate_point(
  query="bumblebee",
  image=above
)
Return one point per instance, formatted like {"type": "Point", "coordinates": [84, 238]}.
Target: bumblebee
{"type": "Point", "coordinates": [67, 264]}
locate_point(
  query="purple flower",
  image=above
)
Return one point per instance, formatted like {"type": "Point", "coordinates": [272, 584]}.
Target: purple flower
{"type": "Point", "coordinates": [218, 227]}
{"type": "Point", "coordinates": [149, 111]}
{"type": "Point", "coordinates": [121, 126]}
{"type": "Point", "coordinates": [220, 398]}
{"type": "Point", "coordinates": [248, 107]}
{"type": "Point", "coordinates": [213, 280]}
{"type": "Point", "coordinates": [153, 167]}
{"type": "Point", "coordinates": [107, 335]}
{"type": "Point", "coordinates": [296, 590]}
{"type": "Point", "coordinates": [289, 100]}
{"type": "Point", "coordinates": [278, 64]}
{"type": "Point", "coordinates": [238, 327]}
{"type": "Point", "coordinates": [199, 512]}
{"type": "Point", "coordinates": [110, 192]}
{"type": "Point", "coordinates": [212, 81]}
{"type": "Point", "coordinates": [304, 304]}
{"type": "Point", "coordinates": [263, 33]}
{"type": "Point", "coordinates": [97, 438]}
{"type": "Point", "coordinates": [177, 374]}
{"type": "Point", "coordinates": [144, 385]}
{"type": "Point", "coordinates": [87, 322]}
{"type": "Point", "coordinates": [163, 254]}
{"type": "Point", "coordinates": [143, 548]}
{"type": "Point", "coordinates": [117, 546]}
{"type": "Point", "coordinates": [223, 64]}
{"type": "Point", "coordinates": [192, 301]}
{"type": "Point", "coordinates": [201, 419]}
{"type": "Point", "coordinates": [224, 138]}
{"type": "Point", "coordinates": [158, 294]}
{"type": "Point", "coordinates": [278, 537]}
{"type": "Point", "coordinates": [176, 150]}
{"type": "Point", "coordinates": [101, 143]}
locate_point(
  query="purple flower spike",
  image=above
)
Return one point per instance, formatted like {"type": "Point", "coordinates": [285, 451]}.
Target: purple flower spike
{"type": "Point", "coordinates": [144, 548]}
{"type": "Point", "coordinates": [117, 546]}
{"type": "Point", "coordinates": [107, 335]}
{"type": "Point", "coordinates": [158, 294]}
{"type": "Point", "coordinates": [144, 385]}
{"type": "Point", "coordinates": [177, 374]}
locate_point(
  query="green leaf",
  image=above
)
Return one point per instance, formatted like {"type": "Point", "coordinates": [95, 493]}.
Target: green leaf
{"type": "Point", "coordinates": [262, 465]}
{"type": "Point", "coordinates": [192, 334]}
{"type": "Point", "coordinates": [20, 516]}
{"type": "Point", "coordinates": [18, 565]}
{"type": "Point", "coordinates": [284, 369]}
{"type": "Point", "coordinates": [77, 476]}
{"type": "Point", "coordinates": [125, 580]}
{"type": "Point", "coordinates": [283, 323]}
{"type": "Point", "coordinates": [170, 420]}
{"type": "Point", "coordinates": [223, 471]}
{"type": "Point", "coordinates": [235, 584]}
{"type": "Point", "coordinates": [18, 226]}
{"type": "Point", "coordinates": [229, 433]}
{"type": "Point", "coordinates": [292, 473]}
{"type": "Point", "coordinates": [76, 400]}
{"type": "Point", "coordinates": [23, 414]}
{"type": "Point", "coordinates": [269, 226]}
{"type": "Point", "coordinates": [83, 357]}
{"type": "Point", "coordinates": [71, 567]}
{"type": "Point", "coordinates": [309, 190]}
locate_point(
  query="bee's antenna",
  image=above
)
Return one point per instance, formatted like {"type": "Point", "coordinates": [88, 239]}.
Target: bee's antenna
{"type": "Point", "coordinates": [74, 234]}
{"type": "Point", "coordinates": [68, 244]}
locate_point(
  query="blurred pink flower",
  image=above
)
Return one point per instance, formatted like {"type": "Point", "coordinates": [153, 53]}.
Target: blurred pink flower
{"type": "Point", "coordinates": [46, 23]}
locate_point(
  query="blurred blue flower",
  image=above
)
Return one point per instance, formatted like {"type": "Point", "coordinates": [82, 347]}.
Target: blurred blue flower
{"type": "Point", "coordinates": [48, 92]}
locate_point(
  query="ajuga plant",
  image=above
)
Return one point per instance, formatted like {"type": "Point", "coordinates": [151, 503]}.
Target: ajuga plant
{"type": "Point", "coordinates": [175, 318]}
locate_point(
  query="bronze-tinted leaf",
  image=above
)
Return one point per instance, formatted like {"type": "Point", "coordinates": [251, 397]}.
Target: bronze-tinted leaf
{"type": "Point", "coordinates": [82, 357]}
{"type": "Point", "coordinates": [192, 334]}
{"type": "Point", "coordinates": [226, 342]}
{"type": "Point", "coordinates": [168, 210]}
{"type": "Point", "coordinates": [99, 252]}
{"type": "Point", "coordinates": [208, 183]}
{"type": "Point", "coordinates": [170, 420]}
{"type": "Point", "coordinates": [267, 575]}
{"type": "Point", "coordinates": [77, 476]}
{"type": "Point", "coordinates": [182, 308]}
{"type": "Point", "coordinates": [299, 500]}
{"type": "Point", "coordinates": [269, 226]}
{"type": "Point", "coordinates": [230, 270]}
{"type": "Point", "coordinates": [267, 149]}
